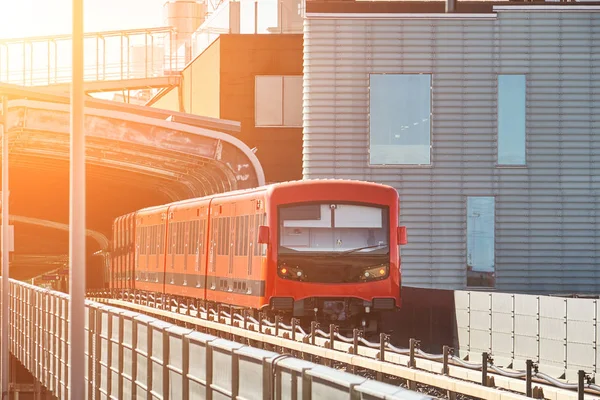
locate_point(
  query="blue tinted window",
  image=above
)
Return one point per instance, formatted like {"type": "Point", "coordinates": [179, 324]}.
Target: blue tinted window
{"type": "Point", "coordinates": [511, 119]}
{"type": "Point", "coordinates": [400, 109]}
{"type": "Point", "coordinates": [480, 234]}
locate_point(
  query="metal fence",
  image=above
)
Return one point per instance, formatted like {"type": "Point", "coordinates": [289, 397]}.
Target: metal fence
{"type": "Point", "coordinates": [559, 334]}
{"type": "Point", "coordinates": [130, 355]}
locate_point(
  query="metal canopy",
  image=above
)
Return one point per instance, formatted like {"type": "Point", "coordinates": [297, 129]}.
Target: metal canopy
{"type": "Point", "coordinates": [198, 159]}
{"type": "Point", "coordinates": [135, 157]}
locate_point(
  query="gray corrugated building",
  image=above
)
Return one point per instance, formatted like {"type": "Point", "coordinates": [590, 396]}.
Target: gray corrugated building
{"type": "Point", "coordinates": [484, 117]}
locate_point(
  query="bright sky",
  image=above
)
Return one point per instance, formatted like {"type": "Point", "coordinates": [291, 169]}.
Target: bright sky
{"type": "Point", "coordinates": [21, 18]}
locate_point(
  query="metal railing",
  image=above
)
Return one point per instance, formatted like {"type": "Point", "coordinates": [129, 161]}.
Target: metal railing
{"type": "Point", "coordinates": [110, 55]}
{"type": "Point", "coordinates": [399, 361]}
{"type": "Point", "coordinates": [131, 355]}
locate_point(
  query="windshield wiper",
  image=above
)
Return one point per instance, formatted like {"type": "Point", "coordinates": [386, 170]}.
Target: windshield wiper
{"type": "Point", "coordinates": [359, 248]}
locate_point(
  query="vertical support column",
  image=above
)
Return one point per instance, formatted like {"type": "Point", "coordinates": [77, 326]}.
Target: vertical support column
{"type": "Point", "coordinates": [5, 249]}
{"type": "Point", "coordinates": [234, 17]}
{"type": "Point", "coordinates": [77, 214]}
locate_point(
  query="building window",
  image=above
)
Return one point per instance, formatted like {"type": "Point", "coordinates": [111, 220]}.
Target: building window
{"type": "Point", "coordinates": [278, 101]}
{"type": "Point", "coordinates": [399, 122]}
{"type": "Point", "coordinates": [511, 119]}
{"type": "Point", "coordinates": [480, 241]}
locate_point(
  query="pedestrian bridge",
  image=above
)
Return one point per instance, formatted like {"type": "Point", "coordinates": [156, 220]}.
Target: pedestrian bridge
{"type": "Point", "coordinates": [130, 355]}
{"type": "Point", "coordinates": [130, 59]}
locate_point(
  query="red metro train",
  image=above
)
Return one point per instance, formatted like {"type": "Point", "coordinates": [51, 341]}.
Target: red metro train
{"type": "Point", "coordinates": [314, 249]}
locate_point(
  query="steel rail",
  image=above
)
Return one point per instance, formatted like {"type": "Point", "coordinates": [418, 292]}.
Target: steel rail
{"type": "Point", "coordinates": [445, 371]}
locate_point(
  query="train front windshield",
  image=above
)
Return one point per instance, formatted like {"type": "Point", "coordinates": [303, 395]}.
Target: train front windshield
{"type": "Point", "coordinates": [333, 242]}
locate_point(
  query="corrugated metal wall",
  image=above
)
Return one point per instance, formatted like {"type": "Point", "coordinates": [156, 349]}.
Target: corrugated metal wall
{"type": "Point", "coordinates": [547, 213]}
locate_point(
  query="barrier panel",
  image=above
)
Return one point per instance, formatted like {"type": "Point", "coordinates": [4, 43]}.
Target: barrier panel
{"type": "Point", "coordinates": [558, 334]}
{"type": "Point", "coordinates": [130, 355]}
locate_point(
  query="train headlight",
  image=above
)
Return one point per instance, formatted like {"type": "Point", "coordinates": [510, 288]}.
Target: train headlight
{"type": "Point", "coordinates": [376, 273]}
{"type": "Point", "coordinates": [290, 272]}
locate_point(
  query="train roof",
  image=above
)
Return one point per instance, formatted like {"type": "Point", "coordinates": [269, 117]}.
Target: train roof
{"type": "Point", "coordinates": [304, 183]}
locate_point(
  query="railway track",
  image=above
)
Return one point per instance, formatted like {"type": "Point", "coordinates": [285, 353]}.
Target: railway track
{"type": "Point", "coordinates": [441, 375]}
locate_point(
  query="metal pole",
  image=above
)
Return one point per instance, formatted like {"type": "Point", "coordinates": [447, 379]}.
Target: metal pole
{"type": "Point", "coordinates": [5, 249]}
{"type": "Point", "coordinates": [77, 215]}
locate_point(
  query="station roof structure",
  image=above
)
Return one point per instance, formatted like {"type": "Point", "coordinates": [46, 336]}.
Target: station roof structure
{"type": "Point", "coordinates": [136, 157]}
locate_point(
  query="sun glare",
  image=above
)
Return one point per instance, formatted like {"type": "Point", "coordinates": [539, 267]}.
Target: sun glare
{"type": "Point", "coordinates": [46, 61]}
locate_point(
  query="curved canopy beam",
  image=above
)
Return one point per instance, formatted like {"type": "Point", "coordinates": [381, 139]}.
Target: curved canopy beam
{"type": "Point", "coordinates": [102, 240]}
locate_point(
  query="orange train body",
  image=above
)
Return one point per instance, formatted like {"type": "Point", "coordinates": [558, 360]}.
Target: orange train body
{"type": "Point", "coordinates": [315, 248]}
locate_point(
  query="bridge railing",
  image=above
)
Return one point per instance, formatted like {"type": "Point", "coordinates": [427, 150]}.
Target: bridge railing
{"type": "Point", "coordinates": [130, 355]}
{"type": "Point", "coordinates": [110, 55]}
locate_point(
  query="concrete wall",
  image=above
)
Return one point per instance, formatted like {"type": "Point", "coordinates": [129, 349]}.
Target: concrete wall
{"type": "Point", "coordinates": [547, 212]}
{"type": "Point", "coordinates": [169, 100]}
{"type": "Point", "coordinates": [220, 83]}
{"type": "Point", "coordinates": [201, 80]}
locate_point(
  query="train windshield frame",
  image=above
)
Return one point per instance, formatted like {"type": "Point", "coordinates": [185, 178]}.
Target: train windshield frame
{"type": "Point", "coordinates": [333, 228]}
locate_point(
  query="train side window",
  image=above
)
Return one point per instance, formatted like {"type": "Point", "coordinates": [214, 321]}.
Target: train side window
{"type": "Point", "coordinates": [162, 238]}
{"type": "Point", "coordinates": [173, 237]}
{"type": "Point", "coordinates": [180, 237]}
{"type": "Point", "coordinates": [152, 249]}
{"type": "Point", "coordinates": [221, 234]}
{"type": "Point", "coordinates": [186, 233]}
{"type": "Point", "coordinates": [158, 240]}
{"type": "Point", "coordinates": [201, 237]}
{"type": "Point", "coordinates": [255, 235]}
{"type": "Point", "coordinates": [219, 228]}
{"type": "Point", "coordinates": [251, 231]}
{"type": "Point", "coordinates": [263, 247]}
{"type": "Point", "coordinates": [246, 238]}
{"type": "Point", "coordinates": [227, 235]}
{"type": "Point", "coordinates": [149, 239]}
{"type": "Point", "coordinates": [193, 237]}
{"type": "Point", "coordinates": [177, 237]}
{"type": "Point", "coordinates": [213, 238]}
{"type": "Point", "coordinates": [143, 240]}
{"type": "Point", "coordinates": [237, 236]}
{"type": "Point", "coordinates": [142, 248]}
{"type": "Point", "coordinates": [156, 244]}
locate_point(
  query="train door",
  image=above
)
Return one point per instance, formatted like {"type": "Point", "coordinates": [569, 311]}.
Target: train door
{"type": "Point", "coordinates": [113, 260]}
{"type": "Point", "coordinates": [211, 281]}
{"type": "Point", "coordinates": [231, 252]}
{"type": "Point", "coordinates": [186, 251]}
{"type": "Point", "coordinates": [172, 251]}
{"type": "Point", "coordinates": [198, 250]}
{"type": "Point", "coordinates": [249, 219]}
{"type": "Point", "coordinates": [126, 251]}
{"type": "Point", "coordinates": [127, 254]}
{"type": "Point", "coordinates": [120, 256]}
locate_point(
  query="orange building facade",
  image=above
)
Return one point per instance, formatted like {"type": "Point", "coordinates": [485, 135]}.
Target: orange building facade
{"type": "Point", "coordinates": [256, 80]}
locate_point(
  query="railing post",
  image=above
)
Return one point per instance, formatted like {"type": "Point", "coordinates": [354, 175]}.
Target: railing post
{"type": "Point", "coordinates": [332, 329]}
{"type": "Point", "coordinates": [355, 336]}
{"type": "Point", "coordinates": [529, 365]}
{"type": "Point", "coordinates": [383, 339]}
{"type": "Point", "coordinates": [580, 384]}
{"type": "Point", "coordinates": [484, 368]}
{"type": "Point", "coordinates": [313, 331]}
{"type": "Point", "coordinates": [294, 323]}
{"type": "Point", "coordinates": [445, 369]}
{"type": "Point", "coordinates": [277, 319]}
{"type": "Point", "coordinates": [412, 343]}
